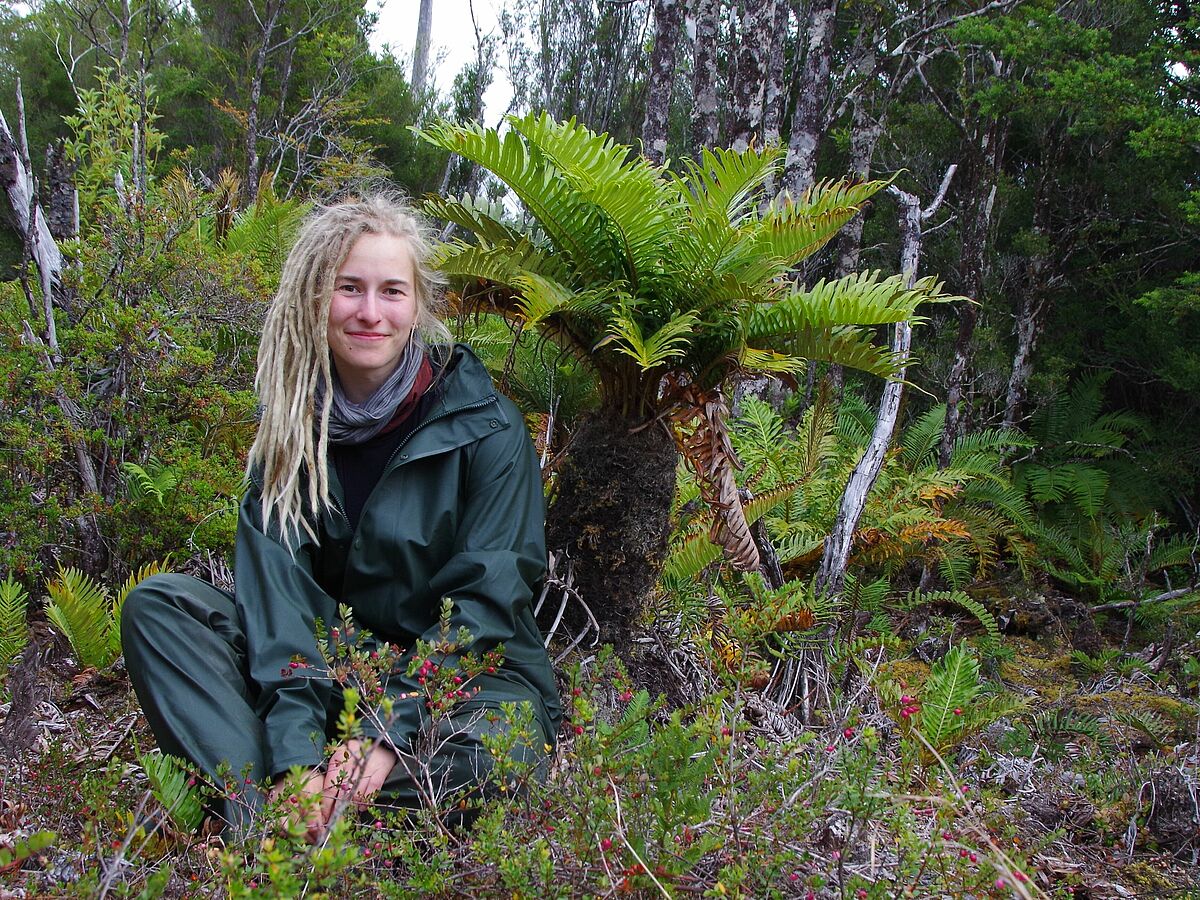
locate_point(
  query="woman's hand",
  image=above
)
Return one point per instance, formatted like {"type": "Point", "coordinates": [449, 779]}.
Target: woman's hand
{"type": "Point", "coordinates": [307, 806]}
{"type": "Point", "coordinates": [356, 772]}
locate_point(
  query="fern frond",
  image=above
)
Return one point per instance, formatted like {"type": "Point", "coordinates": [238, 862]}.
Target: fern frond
{"type": "Point", "coordinates": [81, 609]}
{"type": "Point", "coordinates": [14, 626]}
{"type": "Point", "coordinates": [723, 184]}
{"type": "Point", "coordinates": [135, 578]}
{"type": "Point", "coordinates": [669, 341]}
{"type": "Point", "coordinates": [990, 642]}
{"type": "Point", "coordinates": [174, 787]}
{"type": "Point", "coordinates": [574, 224]}
{"type": "Point", "coordinates": [953, 684]}
{"type": "Point", "coordinates": [1149, 723]}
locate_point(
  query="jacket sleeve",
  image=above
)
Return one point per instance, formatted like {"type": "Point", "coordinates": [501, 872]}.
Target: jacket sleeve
{"type": "Point", "coordinates": [498, 558]}
{"type": "Point", "coordinates": [279, 603]}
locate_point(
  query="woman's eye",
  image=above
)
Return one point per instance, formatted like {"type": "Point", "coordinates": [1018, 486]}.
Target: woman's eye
{"type": "Point", "coordinates": [347, 288]}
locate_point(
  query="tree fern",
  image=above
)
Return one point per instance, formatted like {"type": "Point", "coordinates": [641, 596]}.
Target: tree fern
{"type": "Point", "coordinates": [14, 627]}
{"type": "Point", "coordinates": [174, 787]}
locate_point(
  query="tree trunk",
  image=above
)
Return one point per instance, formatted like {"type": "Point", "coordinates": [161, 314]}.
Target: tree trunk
{"type": "Point", "coordinates": [985, 153]}
{"type": "Point", "coordinates": [611, 516]}
{"type": "Point", "coordinates": [420, 68]}
{"type": "Point", "coordinates": [832, 575]}
{"type": "Point", "coordinates": [746, 105]}
{"type": "Point", "coordinates": [864, 136]}
{"type": "Point", "coordinates": [17, 181]}
{"type": "Point", "coordinates": [773, 93]}
{"type": "Point", "coordinates": [668, 16]}
{"type": "Point", "coordinates": [253, 163]}
{"type": "Point", "coordinates": [1032, 309]}
{"type": "Point", "coordinates": [812, 89]}
{"type": "Point", "coordinates": [704, 85]}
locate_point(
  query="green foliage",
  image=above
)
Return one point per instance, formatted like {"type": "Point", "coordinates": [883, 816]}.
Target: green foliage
{"type": "Point", "coordinates": [174, 787]}
{"type": "Point", "coordinates": [954, 704]}
{"type": "Point", "coordinates": [1149, 723]}
{"type": "Point", "coordinates": [989, 641]}
{"type": "Point", "coordinates": [1049, 727]}
{"type": "Point", "coordinates": [82, 610]}
{"type": "Point", "coordinates": [88, 616]}
{"type": "Point", "coordinates": [23, 848]}
{"type": "Point", "coordinates": [643, 273]}
{"type": "Point", "coordinates": [14, 628]}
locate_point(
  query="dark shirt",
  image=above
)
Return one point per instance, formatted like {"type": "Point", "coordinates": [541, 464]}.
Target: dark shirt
{"type": "Point", "coordinates": [360, 466]}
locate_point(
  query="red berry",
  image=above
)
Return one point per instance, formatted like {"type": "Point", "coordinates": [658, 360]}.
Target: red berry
{"type": "Point", "coordinates": [605, 844]}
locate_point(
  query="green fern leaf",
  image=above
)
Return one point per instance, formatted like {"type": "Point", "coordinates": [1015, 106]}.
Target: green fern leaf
{"type": "Point", "coordinates": [173, 786]}
{"type": "Point", "coordinates": [952, 685]}
{"type": "Point", "coordinates": [81, 609]}
{"type": "Point", "coordinates": [14, 626]}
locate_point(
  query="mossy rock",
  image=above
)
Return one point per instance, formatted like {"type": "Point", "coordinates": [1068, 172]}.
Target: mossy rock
{"type": "Point", "coordinates": [1147, 879]}
{"type": "Point", "coordinates": [1033, 668]}
{"type": "Point", "coordinates": [912, 672]}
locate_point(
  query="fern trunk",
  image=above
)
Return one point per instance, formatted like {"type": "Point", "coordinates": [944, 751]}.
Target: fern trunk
{"type": "Point", "coordinates": [611, 515]}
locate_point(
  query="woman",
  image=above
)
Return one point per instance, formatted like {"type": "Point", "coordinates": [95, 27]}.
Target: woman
{"type": "Point", "coordinates": [387, 474]}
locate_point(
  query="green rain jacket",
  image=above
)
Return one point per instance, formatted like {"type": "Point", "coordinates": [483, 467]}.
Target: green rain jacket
{"type": "Point", "coordinates": [458, 513]}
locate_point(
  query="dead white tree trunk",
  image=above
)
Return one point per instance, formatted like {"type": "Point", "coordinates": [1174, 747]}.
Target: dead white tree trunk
{"type": "Point", "coordinates": [832, 574]}
{"type": "Point", "coordinates": [16, 177]}
{"type": "Point", "coordinates": [704, 67]}
{"type": "Point", "coordinates": [420, 67]}
{"type": "Point", "coordinates": [17, 180]}
{"type": "Point", "coordinates": [668, 19]}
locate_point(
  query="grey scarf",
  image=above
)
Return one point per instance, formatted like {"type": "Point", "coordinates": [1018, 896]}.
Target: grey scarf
{"type": "Point", "coordinates": [352, 423]}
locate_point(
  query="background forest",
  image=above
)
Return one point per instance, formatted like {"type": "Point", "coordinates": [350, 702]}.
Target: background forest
{"type": "Point", "coordinates": [861, 345]}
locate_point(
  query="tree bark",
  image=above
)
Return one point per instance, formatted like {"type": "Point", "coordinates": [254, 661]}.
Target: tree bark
{"type": "Point", "coordinates": [668, 18]}
{"type": "Point", "coordinates": [420, 68]}
{"type": "Point", "coordinates": [704, 84]}
{"type": "Point", "coordinates": [63, 199]}
{"type": "Point", "coordinates": [773, 93]}
{"type": "Point", "coordinates": [746, 105]}
{"type": "Point", "coordinates": [1032, 309]}
{"type": "Point", "coordinates": [253, 164]}
{"type": "Point", "coordinates": [611, 517]}
{"type": "Point", "coordinates": [812, 90]}
{"type": "Point", "coordinates": [17, 181]}
{"type": "Point", "coordinates": [985, 145]}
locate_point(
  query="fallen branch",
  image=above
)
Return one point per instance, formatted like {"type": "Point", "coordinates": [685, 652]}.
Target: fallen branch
{"type": "Point", "coordinates": [1131, 604]}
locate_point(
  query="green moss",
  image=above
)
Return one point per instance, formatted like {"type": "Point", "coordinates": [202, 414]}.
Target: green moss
{"type": "Point", "coordinates": [1034, 667]}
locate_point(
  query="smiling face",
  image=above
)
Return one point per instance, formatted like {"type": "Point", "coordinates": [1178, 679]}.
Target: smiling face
{"type": "Point", "coordinates": [372, 312]}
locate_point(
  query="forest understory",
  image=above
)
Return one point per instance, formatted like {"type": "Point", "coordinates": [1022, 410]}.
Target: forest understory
{"type": "Point", "coordinates": [893, 309]}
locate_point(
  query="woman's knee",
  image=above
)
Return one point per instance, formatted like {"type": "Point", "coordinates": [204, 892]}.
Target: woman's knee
{"type": "Point", "coordinates": [157, 603]}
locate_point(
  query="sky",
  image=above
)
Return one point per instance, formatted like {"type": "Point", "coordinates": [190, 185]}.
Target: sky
{"type": "Point", "coordinates": [453, 41]}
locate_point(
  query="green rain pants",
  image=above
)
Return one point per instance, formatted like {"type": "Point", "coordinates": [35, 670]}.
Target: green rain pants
{"type": "Point", "coordinates": [186, 656]}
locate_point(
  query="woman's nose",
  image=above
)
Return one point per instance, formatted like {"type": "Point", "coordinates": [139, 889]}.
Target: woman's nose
{"type": "Point", "coordinates": [368, 308]}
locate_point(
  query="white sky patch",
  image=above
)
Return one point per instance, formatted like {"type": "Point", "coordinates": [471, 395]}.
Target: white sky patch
{"type": "Point", "coordinates": [453, 43]}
